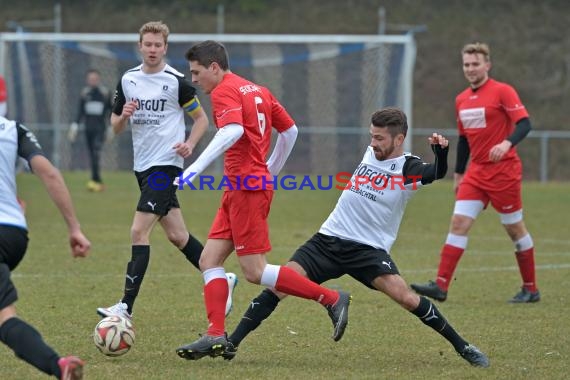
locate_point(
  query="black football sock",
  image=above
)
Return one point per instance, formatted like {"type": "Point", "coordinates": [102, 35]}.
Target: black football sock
{"type": "Point", "coordinates": [429, 315]}
{"type": "Point", "coordinates": [259, 309]}
{"type": "Point", "coordinates": [193, 250]}
{"type": "Point", "coordinates": [136, 268]}
{"type": "Point", "coordinates": [28, 345]}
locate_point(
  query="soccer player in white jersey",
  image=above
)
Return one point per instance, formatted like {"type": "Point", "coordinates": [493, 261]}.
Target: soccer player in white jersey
{"type": "Point", "coordinates": [26, 342]}
{"type": "Point", "coordinates": [153, 97]}
{"type": "Point", "coordinates": [357, 236]}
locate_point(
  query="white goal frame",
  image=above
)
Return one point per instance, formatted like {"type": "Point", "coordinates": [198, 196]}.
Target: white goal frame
{"type": "Point", "coordinates": [406, 71]}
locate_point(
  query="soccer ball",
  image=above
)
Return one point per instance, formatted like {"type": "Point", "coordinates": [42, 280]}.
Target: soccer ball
{"type": "Point", "coordinates": [114, 336]}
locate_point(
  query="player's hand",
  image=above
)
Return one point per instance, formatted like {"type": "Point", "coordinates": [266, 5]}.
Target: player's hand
{"type": "Point", "coordinates": [129, 109]}
{"type": "Point", "coordinates": [498, 151]}
{"type": "Point", "coordinates": [79, 244]}
{"type": "Point", "coordinates": [436, 139]}
{"type": "Point", "coordinates": [183, 149]}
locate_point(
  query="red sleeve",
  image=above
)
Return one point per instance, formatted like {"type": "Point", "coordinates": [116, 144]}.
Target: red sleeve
{"type": "Point", "coordinates": [512, 104]}
{"type": "Point", "coordinates": [280, 117]}
{"type": "Point", "coordinates": [227, 107]}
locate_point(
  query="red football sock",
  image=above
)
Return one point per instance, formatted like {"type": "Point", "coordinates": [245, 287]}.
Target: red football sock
{"type": "Point", "coordinates": [450, 256]}
{"type": "Point", "coordinates": [293, 283]}
{"type": "Point", "coordinates": [525, 259]}
{"type": "Point", "coordinates": [215, 296]}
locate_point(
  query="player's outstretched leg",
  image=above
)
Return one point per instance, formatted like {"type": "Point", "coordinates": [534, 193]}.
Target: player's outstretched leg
{"type": "Point", "coordinates": [428, 313]}
{"type": "Point", "coordinates": [27, 344]}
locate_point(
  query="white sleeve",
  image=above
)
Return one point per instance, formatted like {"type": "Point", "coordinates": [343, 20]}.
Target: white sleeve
{"type": "Point", "coordinates": [282, 150]}
{"type": "Point", "coordinates": [222, 141]}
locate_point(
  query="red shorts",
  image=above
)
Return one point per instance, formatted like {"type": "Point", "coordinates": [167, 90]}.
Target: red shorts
{"type": "Point", "coordinates": [242, 218]}
{"type": "Point", "coordinates": [498, 183]}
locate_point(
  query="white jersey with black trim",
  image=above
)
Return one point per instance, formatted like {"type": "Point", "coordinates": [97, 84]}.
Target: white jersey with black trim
{"type": "Point", "coordinates": [15, 141]}
{"type": "Point", "coordinates": [371, 207]}
{"type": "Point", "coordinates": [158, 122]}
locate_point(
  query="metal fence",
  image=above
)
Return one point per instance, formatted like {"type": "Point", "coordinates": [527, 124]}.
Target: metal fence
{"type": "Point", "coordinates": [326, 150]}
{"type": "Point", "coordinates": [545, 154]}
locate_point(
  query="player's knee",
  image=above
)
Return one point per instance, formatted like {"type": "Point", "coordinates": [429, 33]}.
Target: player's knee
{"type": "Point", "coordinates": [460, 224]}
{"type": "Point", "coordinates": [516, 231]}
{"type": "Point", "coordinates": [410, 301]}
{"type": "Point", "coordinates": [252, 274]}
{"type": "Point", "coordinates": [254, 278]}
{"type": "Point", "coordinates": [178, 239]}
{"type": "Point", "coordinates": [405, 298]}
{"type": "Point", "coordinates": [139, 236]}
{"type": "Point", "coordinates": [7, 313]}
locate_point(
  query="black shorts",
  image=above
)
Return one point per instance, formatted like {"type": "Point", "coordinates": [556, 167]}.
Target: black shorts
{"type": "Point", "coordinates": [326, 257]}
{"type": "Point", "coordinates": [158, 194]}
{"type": "Point", "coordinates": [13, 245]}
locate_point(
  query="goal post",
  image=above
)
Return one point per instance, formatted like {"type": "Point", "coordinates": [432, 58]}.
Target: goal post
{"type": "Point", "coordinates": [330, 84]}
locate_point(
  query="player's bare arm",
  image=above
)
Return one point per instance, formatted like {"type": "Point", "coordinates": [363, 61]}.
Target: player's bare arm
{"type": "Point", "coordinates": [119, 122]}
{"type": "Point", "coordinates": [58, 192]}
{"type": "Point", "coordinates": [199, 128]}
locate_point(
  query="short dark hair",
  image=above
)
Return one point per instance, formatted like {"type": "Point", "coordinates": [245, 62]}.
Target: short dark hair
{"type": "Point", "coordinates": [208, 52]}
{"type": "Point", "coordinates": [392, 118]}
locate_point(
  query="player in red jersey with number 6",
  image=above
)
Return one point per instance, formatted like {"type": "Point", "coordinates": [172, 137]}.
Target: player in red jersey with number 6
{"type": "Point", "coordinates": [492, 120]}
{"type": "Point", "coordinates": [244, 114]}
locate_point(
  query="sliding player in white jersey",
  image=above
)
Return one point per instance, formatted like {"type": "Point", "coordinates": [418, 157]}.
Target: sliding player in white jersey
{"type": "Point", "coordinates": [357, 236]}
{"type": "Point", "coordinates": [153, 97]}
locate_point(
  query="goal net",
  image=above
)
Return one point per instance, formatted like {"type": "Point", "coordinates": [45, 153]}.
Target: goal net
{"type": "Point", "coordinates": [330, 84]}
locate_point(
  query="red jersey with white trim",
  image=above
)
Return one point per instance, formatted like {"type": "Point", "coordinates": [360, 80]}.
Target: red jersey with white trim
{"type": "Point", "coordinates": [238, 101]}
{"type": "Point", "coordinates": [486, 116]}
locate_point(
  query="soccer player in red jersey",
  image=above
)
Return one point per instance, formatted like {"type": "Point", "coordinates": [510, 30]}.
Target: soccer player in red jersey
{"type": "Point", "coordinates": [244, 114]}
{"type": "Point", "coordinates": [492, 120]}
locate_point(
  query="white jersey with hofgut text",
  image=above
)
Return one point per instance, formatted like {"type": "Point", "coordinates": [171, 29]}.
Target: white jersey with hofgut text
{"type": "Point", "coordinates": [371, 212]}
{"type": "Point", "coordinates": [158, 122]}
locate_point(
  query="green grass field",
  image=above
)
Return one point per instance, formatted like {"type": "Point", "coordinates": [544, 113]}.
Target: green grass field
{"type": "Point", "coordinates": [59, 295]}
